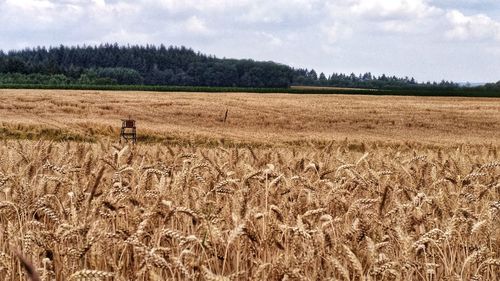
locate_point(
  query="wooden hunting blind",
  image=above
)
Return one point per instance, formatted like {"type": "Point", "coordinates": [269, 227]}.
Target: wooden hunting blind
{"type": "Point", "coordinates": [128, 130]}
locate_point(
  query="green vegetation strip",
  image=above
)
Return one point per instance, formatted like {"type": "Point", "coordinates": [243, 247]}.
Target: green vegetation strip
{"type": "Point", "coordinates": [461, 92]}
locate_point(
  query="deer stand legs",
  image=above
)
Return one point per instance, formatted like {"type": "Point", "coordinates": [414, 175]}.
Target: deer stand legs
{"type": "Point", "coordinates": [127, 135]}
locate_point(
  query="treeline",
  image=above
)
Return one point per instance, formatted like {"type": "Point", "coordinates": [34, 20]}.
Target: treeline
{"type": "Point", "coordinates": [366, 80]}
{"type": "Point", "coordinates": [111, 64]}
{"type": "Point", "coordinates": [492, 86]}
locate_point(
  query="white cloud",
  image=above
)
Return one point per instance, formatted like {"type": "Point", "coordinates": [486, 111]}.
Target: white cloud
{"type": "Point", "coordinates": [271, 39]}
{"type": "Point", "coordinates": [197, 26]}
{"type": "Point", "coordinates": [330, 50]}
{"type": "Point", "coordinates": [394, 9]}
{"type": "Point", "coordinates": [99, 3]}
{"type": "Point", "coordinates": [30, 4]}
{"type": "Point", "coordinates": [190, 5]}
{"type": "Point", "coordinates": [385, 16]}
{"type": "Point", "coordinates": [124, 36]}
{"type": "Point", "coordinates": [250, 11]}
{"type": "Point", "coordinates": [336, 32]}
{"type": "Point", "coordinates": [476, 27]}
{"type": "Point", "coordinates": [278, 11]}
{"type": "Point", "coordinates": [329, 35]}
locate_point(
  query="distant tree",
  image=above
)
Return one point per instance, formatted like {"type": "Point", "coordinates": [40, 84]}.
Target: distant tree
{"type": "Point", "coordinates": [353, 77]}
{"type": "Point", "coordinates": [122, 75]}
{"type": "Point", "coordinates": [85, 80]}
{"type": "Point", "coordinates": [322, 79]}
{"type": "Point", "coordinates": [367, 76]}
{"type": "Point", "coordinates": [15, 65]}
{"type": "Point", "coordinates": [312, 75]}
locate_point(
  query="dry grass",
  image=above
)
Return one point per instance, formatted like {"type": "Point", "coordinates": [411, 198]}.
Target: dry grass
{"type": "Point", "coordinates": [264, 118]}
{"type": "Point", "coordinates": [81, 211]}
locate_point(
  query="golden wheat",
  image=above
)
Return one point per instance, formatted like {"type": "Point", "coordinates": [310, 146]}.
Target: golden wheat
{"type": "Point", "coordinates": [77, 211]}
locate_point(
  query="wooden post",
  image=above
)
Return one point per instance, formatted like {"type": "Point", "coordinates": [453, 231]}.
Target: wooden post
{"type": "Point", "coordinates": [225, 115]}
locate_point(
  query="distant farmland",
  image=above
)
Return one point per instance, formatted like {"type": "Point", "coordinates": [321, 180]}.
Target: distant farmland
{"type": "Point", "coordinates": [269, 118]}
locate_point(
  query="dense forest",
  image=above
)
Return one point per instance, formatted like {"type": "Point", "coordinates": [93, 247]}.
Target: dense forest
{"type": "Point", "coordinates": [492, 86]}
{"type": "Point", "coordinates": [111, 64]}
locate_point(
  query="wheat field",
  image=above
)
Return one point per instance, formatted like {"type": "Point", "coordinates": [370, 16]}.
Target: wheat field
{"type": "Point", "coordinates": [291, 187]}
{"type": "Point", "coordinates": [252, 118]}
{"type": "Point", "coordinates": [105, 211]}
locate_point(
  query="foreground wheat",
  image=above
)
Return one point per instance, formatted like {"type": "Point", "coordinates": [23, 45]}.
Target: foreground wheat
{"type": "Point", "coordinates": [108, 212]}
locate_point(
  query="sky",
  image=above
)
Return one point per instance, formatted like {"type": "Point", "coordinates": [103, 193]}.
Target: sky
{"type": "Point", "coordinates": [429, 40]}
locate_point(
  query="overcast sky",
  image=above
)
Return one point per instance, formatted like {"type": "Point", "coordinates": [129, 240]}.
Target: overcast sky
{"type": "Point", "coordinates": [456, 40]}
